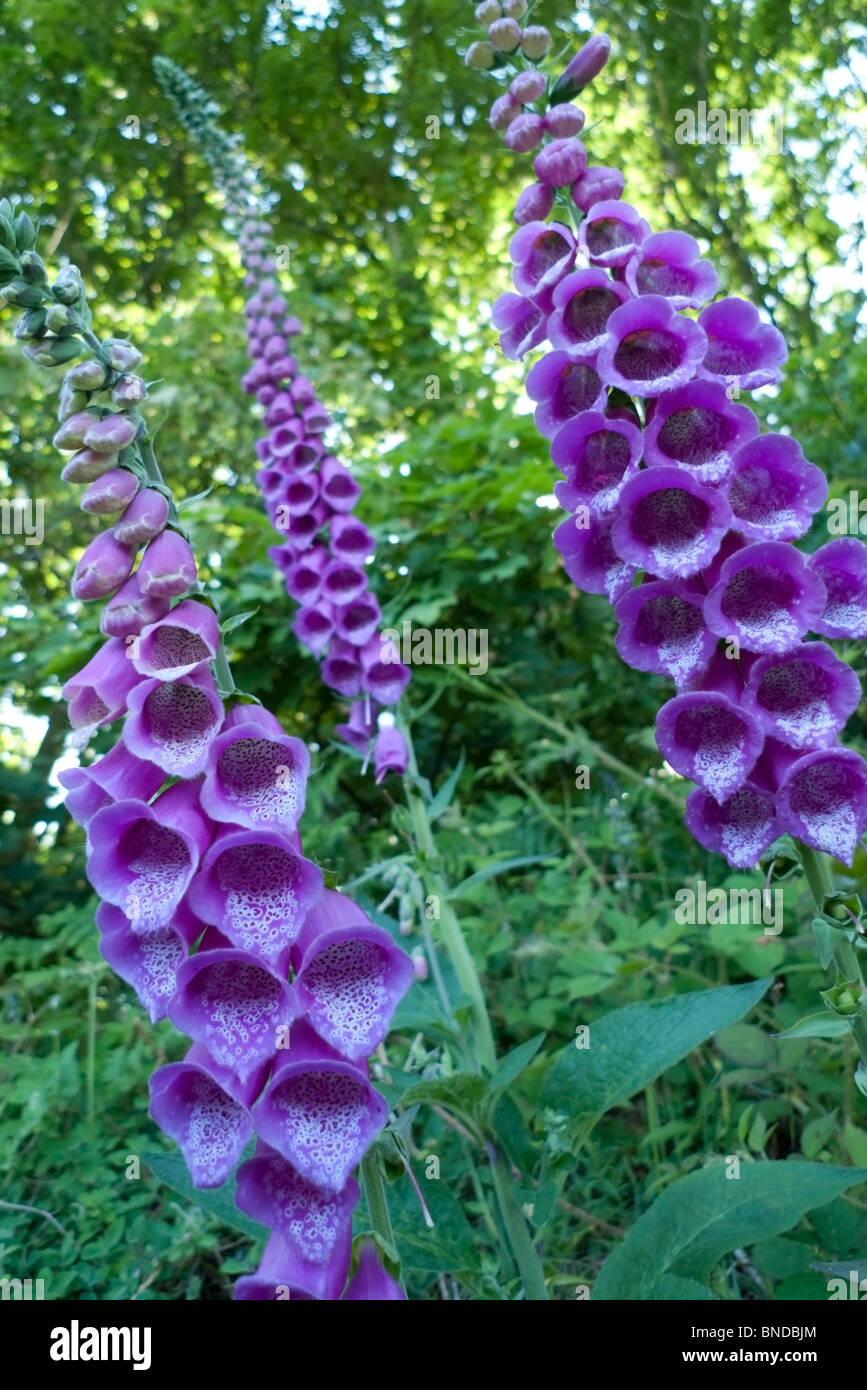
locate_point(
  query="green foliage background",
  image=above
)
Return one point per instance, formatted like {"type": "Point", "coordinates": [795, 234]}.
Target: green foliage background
{"type": "Point", "coordinates": [398, 246]}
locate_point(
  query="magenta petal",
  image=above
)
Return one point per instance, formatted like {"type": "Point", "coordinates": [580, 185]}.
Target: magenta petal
{"type": "Point", "coordinates": [175, 645]}
{"type": "Point", "coordinates": [589, 557]}
{"type": "Point", "coordinates": [662, 629]}
{"type": "Point", "coordinates": [841, 565]}
{"type": "Point", "coordinates": [804, 697]}
{"type": "Point", "coordinates": [705, 736]}
{"type": "Point", "coordinates": [698, 427]}
{"type": "Point", "coordinates": [97, 693]}
{"type": "Point", "coordinates": [149, 961]}
{"type": "Point", "coordinates": [773, 491]}
{"type": "Point", "coordinates": [227, 1001]}
{"type": "Point", "coordinates": [649, 347]}
{"type": "Point", "coordinates": [823, 801]}
{"type": "Point", "coordinates": [740, 348]}
{"type": "Point", "coordinates": [766, 597]}
{"type": "Point", "coordinates": [669, 264]}
{"type": "Point", "coordinates": [116, 776]}
{"type": "Point", "coordinates": [205, 1110]}
{"type": "Point", "coordinates": [668, 523]}
{"type": "Point", "coordinates": [740, 829]}
{"type": "Point", "coordinates": [314, 1224]}
{"type": "Point", "coordinates": [256, 778]}
{"type": "Point", "coordinates": [371, 1283]}
{"type": "Point", "coordinates": [583, 303]}
{"type": "Point", "coordinates": [173, 723]}
{"type": "Point", "coordinates": [563, 387]}
{"type": "Point", "coordinates": [282, 1275]}
{"type": "Point", "coordinates": [598, 456]}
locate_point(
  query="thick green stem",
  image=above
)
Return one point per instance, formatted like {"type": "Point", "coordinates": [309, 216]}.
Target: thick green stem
{"type": "Point", "coordinates": [377, 1205]}
{"type": "Point", "coordinates": [526, 1256]}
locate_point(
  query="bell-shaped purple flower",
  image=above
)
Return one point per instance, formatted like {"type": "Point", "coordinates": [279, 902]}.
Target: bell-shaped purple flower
{"type": "Point", "coordinates": [699, 428]}
{"type": "Point", "coordinates": [304, 578]}
{"type": "Point", "coordinates": [842, 567]}
{"type": "Point", "coordinates": [314, 625]}
{"type": "Point", "coordinates": [350, 976]}
{"type": "Point", "coordinates": [598, 456]}
{"type": "Point", "coordinates": [176, 645]}
{"type": "Point", "coordinates": [521, 324]}
{"type": "Point", "coordinates": [173, 723]}
{"type": "Point", "coordinates": [144, 518]}
{"type": "Point", "coordinates": [706, 736]}
{"type": "Point", "coordinates": [350, 539]}
{"type": "Point", "coordinates": [143, 857]}
{"type": "Point", "coordinates": [281, 1275]}
{"type": "Point", "coordinates": [236, 1008]}
{"type": "Point", "coordinates": [611, 233]}
{"type": "Point", "coordinates": [371, 1283]}
{"type": "Point", "coordinates": [542, 252]}
{"type": "Point", "coordinates": [589, 557]}
{"type": "Point", "coordinates": [319, 1111]}
{"type": "Point", "coordinates": [342, 582]}
{"type": "Point", "coordinates": [563, 388]}
{"type": "Point", "coordinates": [206, 1110]}
{"type": "Point", "coordinates": [361, 726]}
{"type": "Point", "coordinates": [315, 1225]}
{"type": "Point", "coordinates": [740, 348]}
{"type": "Point", "coordinates": [116, 776]}
{"type": "Point", "coordinates": [339, 489]}
{"type": "Point", "coordinates": [803, 697]}
{"type": "Point", "coordinates": [583, 303]}
{"type": "Point", "coordinates": [598, 184]}
{"type": "Point", "coordinates": [383, 675]}
{"type": "Point", "coordinates": [662, 630]}
{"type": "Point", "coordinates": [773, 491]}
{"type": "Point", "coordinates": [168, 566]}
{"type": "Point", "coordinates": [256, 775]}
{"type": "Point", "coordinates": [823, 801]}
{"type": "Point", "coordinates": [740, 829]}
{"type": "Point", "coordinates": [110, 493]}
{"type": "Point", "coordinates": [390, 753]}
{"type": "Point", "coordinates": [102, 568]}
{"type": "Point", "coordinates": [256, 888]}
{"type": "Point", "coordinates": [356, 622]}
{"type": "Point", "coordinates": [97, 694]}
{"type": "Point", "coordinates": [342, 670]}
{"type": "Point", "coordinates": [670, 264]}
{"type": "Point", "coordinates": [148, 961]}
{"type": "Point", "coordinates": [766, 597]}
{"type": "Point", "coordinates": [649, 348]}
{"type": "Point", "coordinates": [668, 523]}
{"type": "Point", "coordinates": [130, 610]}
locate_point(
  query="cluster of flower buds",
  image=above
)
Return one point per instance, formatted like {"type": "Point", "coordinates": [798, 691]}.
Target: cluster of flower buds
{"type": "Point", "coordinates": [209, 908]}
{"type": "Point", "coordinates": [505, 36]}
{"type": "Point", "coordinates": [309, 495]}
{"type": "Point", "coordinates": [681, 510]}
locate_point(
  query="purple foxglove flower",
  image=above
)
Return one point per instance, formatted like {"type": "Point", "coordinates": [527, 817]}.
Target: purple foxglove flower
{"type": "Point", "coordinates": [256, 889]}
{"type": "Point", "coordinates": [281, 409]}
{"type": "Point", "coordinates": [561, 163]}
{"type": "Point", "coordinates": [525, 132]}
{"type": "Point", "coordinates": [236, 1008]}
{"type": "Point", "coordinates": [110, 493]}
{"type": "Point", "coordinates": [256, 775]}
{"type": "Point", "coordinates": [698, 427]}
{"type": "Point", "coordinates": [71, 434]}
{"type": "Point", "coordinates": [740, 829]}
{"type": "Point", "coordinates": [583, 303]}
{"type": "Point", "coordinates": [503, 111]}
{"type": "Point", "coordinates": [315, 1226]}
{"type": "Point", "coordinates": [281, 1275]}
{"type": "Point", "coordinates": [669, 263]}
{"type": "Point", "coordinates": [534, 204]}
{"type": "Point", "coordinates": [339, 489]}
{"type": "Point", "coordinates": [102, 568]}
{"type": "Point", "coordinates": [360, 729]}
{"type": "Point", "coordinates": [314, 626]}
{"type": "Point", "coordinates": [304, 577]}
{"type": "Point", "coordinates": [350, 976]}
{"type": "Point", "coordinates": [390, 753]}
{"type": "Point", "coordinates": [303, 391]}
{"type": "Point", "coordinates": [349, 539]}
{"type": "Point", "coordinates": [705, 736]}
{"type": "Point", "coordinates": [803, 697]}
{"type": "Point", "coordinates": [143, 519]}
{"type": "Point", "coordinates": [130, 610]}
{"type": "Point", "coordinates": [174, 646]}
{"type": "Point", "coordinates": [611, 232]}
{"type": "Point", "coordinates": [384, 676]}
{"type": "Point", "coordinates": [650, 348]}
{"type": "Point", "coordinates": [206, 1110]}
{"type": "Point", "coordinates": [110, 435]}
{"type": "Point", "coordinates": [598, 456]}
{"type": "Point", "coordinates": [823, 801]}
{"type": "Point", "coordinates": [535, 42]}
{"type": "Point", "coordinates": [773, 491]}
{"type": "Point", "coordinates": [316, 419]}
{"type": "Point", "coordinates": [300, 494]}
{"type": "Point", "coordinates": [319, 1111]}
{"type": "Point", "coordinates": [563, 387]}
{"type": "Point", "coordinates": [356, 622]}
{"type": "Point", "coordinates": [371, 1283]}
{"type": "Point", "coordinates": [668, 524]}
{"type": "Point", "coordinates": [342, 582]}
{"type": "Point", "coordinates": [842, 567]}
{"type": "Point", "coordinates": [587, 63]}
{"type": "Point", "coordinates": [505, 35]}
{"type": "Point", "coordinates": [598, 184]}
{"type": "Point", "coordinates": [662, 630]}
{"type": "Point", "coordinates": [143, 857]}
{"type": "Point", "coordinates": [342, 670]}
{"type": "Point", "coordinates": [542, 254]}
{"type": "Point", "coordinates": [766, 597]}
{"type": "Point", "coordinates": [563, 121]}
{"type": "Point", "coordinates": [86, 466]}
{"type": "Point", "coordinates": [589, 557]}
{"type": "Point", "coordinates": [521, 324]}
{"type": "Point", "coordinates": [116, 776]}
{"type": "Point", "coordinates": [168, 566]}
{"type": "Point", "coordinates": [740, 348]}
{"type": "Point", "coordinates": [528, 87]}
{"type": "Point", "coordinates": [301, 531]}
{"type": "Point", "coordinates": [148, 962]}
{"type": "Point", "coordinates": [173, 723]}
{"type": "Point", "coordinates": [97, 693]}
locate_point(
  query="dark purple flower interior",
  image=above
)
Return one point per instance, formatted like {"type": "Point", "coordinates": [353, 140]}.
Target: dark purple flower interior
{"type": "Point", "coordinates": [261, 902]}
{"type": "Point", "coordinates": [670, 520]}
{"type": "Point", "coordinates": [695, 435]}
{"type": "Point", "coordinates": [648, 354]}
{"type": "Point", "coordinates": [160, 861]}
{"type": "Point", "coordinates": [548, 248]}
{"type": "Point", "coordinates": [587, 312]}
{"type": "Point", "coordinates": [604, 459]}
{"type": "Point", "coordinates": [248, 775]}
{"type": "Point", "coordinates": [608, 234]}
{"type": "Point", "coordinates": [763, 496]}
{"type": "Point", "coordinates": [760, 597]}
{"type": "Point", "coordinates": [170, 647]}
{"type": "Point", "coordinates": [658, 277]}
{"type": "Point", "coordinates": [578, 389]}
{"type": "Point", "coordinates": [732, 356]}
{"type": "Point", "coordinates": [179, 717]}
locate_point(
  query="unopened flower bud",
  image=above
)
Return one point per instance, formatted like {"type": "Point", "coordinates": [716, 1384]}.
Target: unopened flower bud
{"type": "Point", "coordinates": [71, 402]}
{"type": "Point", "coordinates": [122, 355]}
{"type": "Point", "coordinates": [535, 42]}
{"type": "Point", "coordinates": [111, 434]}
{"type": "Point", "coordinates": [31, 325]}
{"type": "Point", "coordinates": [143, 519]}
{"type": "Point", "coordinates": [69, 286]}
{"type": "Point", "coordinates": [587, 64]}
{"type": "Point", "coordinates": [534, 204]}
{"type": "Point", "coordinates": [503, 112]}
{"type": "Point", "coordinates": [488, 11]}
{"type": "Point", "coordinates": [420, 966]}
{"type": "Point", "coordinates": [129, 390]}
{"type": "Point", "coordinates": [564, 120]}
{"type": "Point", "coordinates": [479, 55]}
{"type": "Point", "coordinates": [168, 567]}
{"type": "Point", "coordinates": [515, 9]}
{"type": "Point", "coordinates": [72, 431]}
{"type": "Point", "coordinates": [86, 376]}
{"type": "Point", "coordinates": [525, 133]}
{"type": "Point", "coordinates": [60, 317]}
{"type": "Point", "coordinates": [86, 466]}
{"type": "Point", "coordinates": [22, 294]}
{"type": "Point", "coordinates": [111, 493]}
{"type": "Point", "coordinates": [505, 35]}
{"type": "Point", "coordinates": [102, 568]}
{"type": "Point", "coordinates": [528, 87]}
{"type": "Point", "coordinates": [53, 352]}
{"type": "Point", "coordinates": [33, 268]}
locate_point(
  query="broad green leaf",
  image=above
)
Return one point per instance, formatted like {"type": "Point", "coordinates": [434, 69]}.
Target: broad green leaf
{"type": "Point", "coordinates": [514, 1063]}
{"type": "Point", "coordinates": [217, 1201]}
{"type": "Point", "coordinates": [630, 1047]}
{"type": "Point", "coordinates": [700, 1218]}
{"type": "Point", "coordinates": [232, 623]}
{"type": "Point", "coordinates": [821, 1025]}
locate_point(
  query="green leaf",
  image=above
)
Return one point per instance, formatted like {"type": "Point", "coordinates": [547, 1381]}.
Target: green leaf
{"type": "Point", "coordinates": [231, 623]}
{"type": "Point", "coordinates": [514, 1063]}
{"type": "Point", "coordinates": [217, 1201]}
{"type": "Point", "coordinates": [443, 798]}
{"type": "Point", "coordinates": [499, 866]}
{"type": "Point", "coordinates": [827, 940]}
{"type": "Point", "coordinates": [188, 502]}
{"type": "Point", "coordinates": [631, 1047]}
{"type": "Point", "coordinates": [700, 1218]}
{"type": "Point", "coordinates": [821, 1025]}
{"type": "Point", "coordinates": [855, 1140]}
{"type": "Point", "coordinates": [463, 1092]}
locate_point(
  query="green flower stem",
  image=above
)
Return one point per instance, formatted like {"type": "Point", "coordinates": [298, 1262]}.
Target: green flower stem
{"type": "Point", "coordinates": [377, 1208]}
{"type": "Point", "coordinates": [450, 928]}
{"type": "Point", "coordinates": [526, 1256]}
{"type": "Point", "coordinates": [818, 875]}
